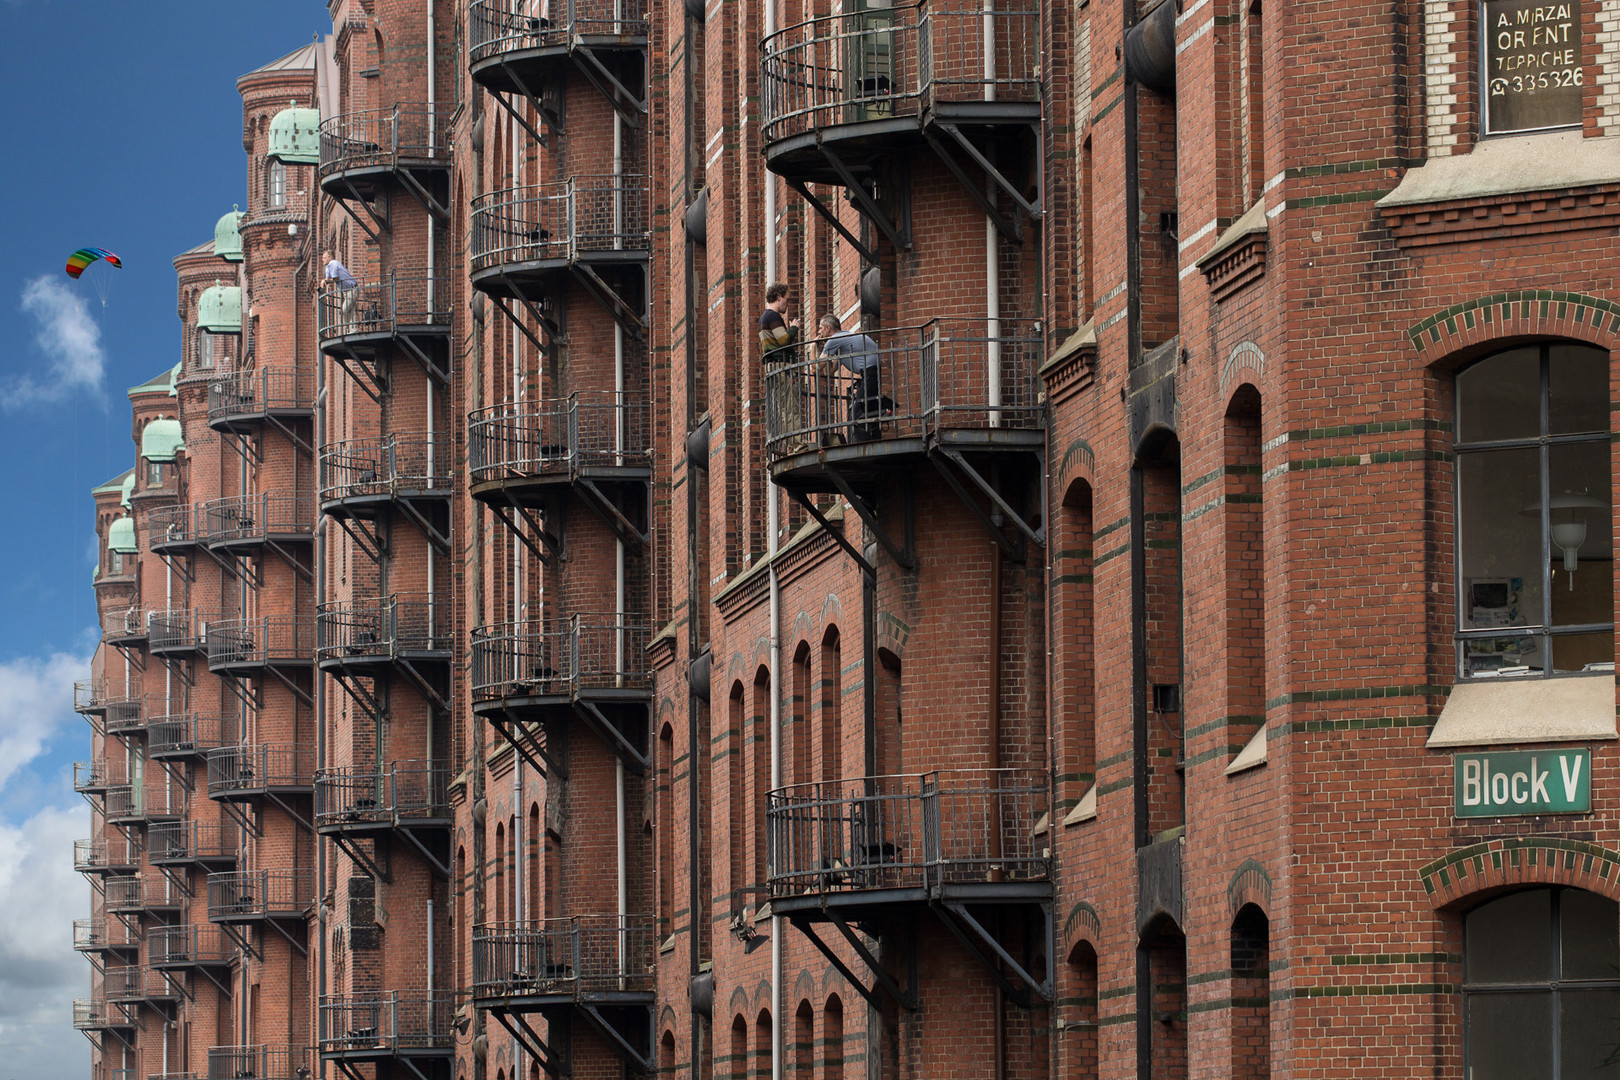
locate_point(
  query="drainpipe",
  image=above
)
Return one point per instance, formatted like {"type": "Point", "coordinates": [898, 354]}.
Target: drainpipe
{"type": "Point", "coordinates": [619, 838]}
{"type": "Point", "coordinates": [992, 271]}
{"type": "Point", "coordinates": [321, 849]}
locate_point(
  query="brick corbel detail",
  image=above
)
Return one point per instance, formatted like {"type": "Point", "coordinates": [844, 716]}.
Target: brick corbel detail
{"type": "Point", "coordinates": [1524, 313]}
{"type": "Point", "coordinates": [1240, 265]}
{"type": "Point", "coordinates": [1521, 861]}
{"type": "Point", "coordinates": [1498, 217]}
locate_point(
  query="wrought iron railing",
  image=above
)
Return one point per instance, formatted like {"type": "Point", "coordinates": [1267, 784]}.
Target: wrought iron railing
{"type": "Point", "coordinates": [188, 944]}
{"type": "Point", "coordinates": [364, 794]}
{"type": "Point", "coordinates": [497, 27]}
{"type": "Point", "coordinates": [238, 518]}
{"type": "Point", "coordinates": [394, 1020]}
{"type": "Point", "coordinates": [143, 892]}
{"type": "Point", "coordinates": [385, 465]}
{"type": "Point", "coordinates": [575, 956]}
{"type": "Point", "coordinates": [559, 436]}
{"type": "Point", "coordinates": [895, 832]}
{"type": "Point", "coordinates": [177, 630]}
{"type": "Point", "coordinates": [583, 214]}
{"type": "Point", "coordinates": [269, 639]}
{"type": "Point", "coordinates": [126, 803]}
{"type": "Point", "coordinates": [582, 653]}
{"type": "Point", "coordinates": [124, 711]}
{"type": "Point", "coordinates": [247, 393]}
{"type": "Point", "coordinates": [263, 1062]}
{"type": "Point", "coordinates": [886, 62]}
{"type": "Point", "coordinates": [168, 526]}
{"type": "Point", "coordinates": [192, 841]}
{"type": "Point", "coordinates": [382, 626]}
{"type": "Point", "coordinates": [99, 856]}
{"type": "Point", "coordinates": [405, 298]}
{"type": "Point", "coordinates": [90, 777]}
{"type": "Point", "coordinates": [124, 984]}
{"type": "Point", "coordinates": [89, 695]}
{"type": "Point", "coordinates": [185, 733]}
{"type": "Point", "coordinates": [124, 626]}
{"type": "Point", "coordinates": [247, 770]}
{"type": "Point", "coordinates": [948, 374]}
{"type": "Point", "coordinates": [411, 135]}
{"type": "Point", "coordinates": [92, 1014]}
{"type": "Point", "coordinates": [100, 933]}
{"type": "Point", "coordinates": [258, 894]}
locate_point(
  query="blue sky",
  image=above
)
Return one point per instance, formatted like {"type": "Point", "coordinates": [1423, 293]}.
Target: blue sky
{"type": "Point", "coordinates": [123, 131]}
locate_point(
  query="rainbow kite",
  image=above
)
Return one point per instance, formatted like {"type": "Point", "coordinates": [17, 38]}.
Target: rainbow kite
{"type": "Point", "coordinates": [85, 256]}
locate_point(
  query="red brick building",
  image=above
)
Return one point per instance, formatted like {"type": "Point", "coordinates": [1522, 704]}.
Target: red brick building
{"type": "Point", "coordinates": [1160, 625]}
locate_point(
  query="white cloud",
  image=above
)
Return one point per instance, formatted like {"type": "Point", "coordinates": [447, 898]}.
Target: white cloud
{"type": "Point", "coordinates": [36, 700]}
{"type": "Point", "coordinates": [71, 342]}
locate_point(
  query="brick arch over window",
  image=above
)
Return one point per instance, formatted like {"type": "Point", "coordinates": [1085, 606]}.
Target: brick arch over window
{"type": "Point", "coordinates": [1082, 925]}
{"type": "Point", "coordinates": [1527, 861]}
{"type": "Point", "coordinates": [1251, 884]}
{"type": "Point", "coordinates": [1079, 456]}
{"type": "Point", "coordinates": [1522, 313]}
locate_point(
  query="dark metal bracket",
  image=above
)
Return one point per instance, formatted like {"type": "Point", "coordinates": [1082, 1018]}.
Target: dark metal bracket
{"type": "Point", "coordinates": [243, 943]}
{"type": "Point", "coordinates": [242, 818]}
{"type": "Point", "coordinates": [370, 376]}
{"type": "Point", "coordinates": [437, 863]}
{"type": "Point", "coordinates": [1011, 228]}
{"type": "Point", "coordinates": [1036, 536]}
{"type": "Point", "coordinates": [611, 514]}
{"type": "Point", "coordinates": [428, 690]}
{"type": "Point", "coordinates": [901, 553]}
{"type": "Point", "coordinates": [278, 928]}
{"type": "Point", "coordinates": [429, 530]}
{"type": "Point", "coordinates": [434, 372]}
{"type": "Point", "coordinates": [378, 868]}
{"type": "Point", "coordinates": [995, 174]}
{"type": "Point", "coordinates": [551, 327]}
{"type": "Point", "coordinates": [298, 818]}
{"type": "Point", "coordinates": [1013, 551]}
{"type": "Point", "coordinates": [522, 737]}
{"type": "Point", "coordinates": [297, 691]}
{"type": "Point", "coordinates": [609, 298]}
{"type": "Point", "coordinates": [423, 196]}
{"type": "Point", "coordinates": [1020, 994]}
{"type": "Point", "coordinates": [618, 95]}
{"type": "Point", "coordinates": [641, 1062]}
{"type": "Point", "coordinates": [867, 204]}
{"type": "Point", "coordinates": [905, 997]}
{"type": "Point", "coordinates": [303, 447]}
{"type": "Point", "coordinates": [372, 541]}
{"type": "Point", "coordinates": [555, 1063]}
{"type": "Point", "coordinates": [832, 219]}
{"type": "Point", "coordinates": [638, 762]}
{"type": "Point", "coordinates": [552, 549]}
{"type": "Point", "coordinates": [837, 535]}
{"type": "Point", "coordinates": [371, 212]}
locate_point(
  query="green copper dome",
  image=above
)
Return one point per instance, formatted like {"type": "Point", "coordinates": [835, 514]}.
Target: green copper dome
{"type": "Point", "coordinates": [227, 238]}
{"type": "Point", "coordinates": [160, 439]}
{"type": "Point", "coordinates": [295, 136]}
{"type": "Point", "coordinates": [121, 536]}
{"type": "Point", "coordinates": [219, 311]}
{"type": "Point", "coordinates": [128, 490]}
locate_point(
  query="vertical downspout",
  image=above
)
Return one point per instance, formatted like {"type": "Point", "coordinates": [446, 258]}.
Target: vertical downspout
{"type": "Point", "coordinates": [992, 270]}
{"type": "Point", "coordinates": [519, 586]}
{"type": "Point", "coordinates": [620, 840]}
{"type": "Point", "coordinates": [772, 545]}
{"type": "Point", "coordinates": [320, 683]}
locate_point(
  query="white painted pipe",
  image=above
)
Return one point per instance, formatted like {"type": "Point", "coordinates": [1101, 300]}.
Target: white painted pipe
{"type": "Point", "coordinates": [772, 526]}
{"type": "Point", "coordinates": [992, 272]}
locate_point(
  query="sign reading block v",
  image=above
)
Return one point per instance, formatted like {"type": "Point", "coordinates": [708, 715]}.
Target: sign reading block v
{"type": "Point", "coordinates": [1522, 783]}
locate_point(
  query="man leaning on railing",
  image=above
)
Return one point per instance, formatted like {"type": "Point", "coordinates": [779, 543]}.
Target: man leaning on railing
{"type": "Point", "coordinates": [340, 280]}
{"type": "Point", "coordinates": [858, 354]}
{"type": "Point", "coordinates": [777, 337]}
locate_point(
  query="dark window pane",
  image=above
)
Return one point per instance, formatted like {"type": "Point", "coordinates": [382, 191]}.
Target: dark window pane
{"type": "Point", "coordinates": [1500, 397]}
{"type": "Point", "coordinates": [1578, 652]}
{"type": "Point", "coordinates": [1577, 389]}
{"type": "Point", "coordinates": [1533, 70]}
{"type": "Point", "coordinates": [1510, 1036]}
{"type": "Point", "coordinates": [1509, 939]}
{"type": "Point", "coordinates": [1589, 1034]}
{"type": "Point", "coordinates": [1590, 925]}
{"type": "Point", "coordinates": [1500, 548]}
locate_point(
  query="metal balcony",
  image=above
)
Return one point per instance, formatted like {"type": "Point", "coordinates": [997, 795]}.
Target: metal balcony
{"type": "Point", "coordinates": [263, 1062]}
{"type": "Point", "coordinates": [177, 632]}
{"type": "Point", "coordinates": [142, 894]}
{"type": "Point", "coordinates": [965, 836]}
{"type": "Point", "coordinates": [125, 715]}
{"type": "Point", "coordinates": [184, 735]}
{"type": "Point", "coordinates": [364, 798]}
{"type": "Point", "coordinates": [513, 49]}
{"type": "Point", "coordinates": [240, 403]}
{"type": "Point", "coordinates": [138, 984]}
{"type": "Point", "coordinates": [236, 773]}
{"type": "Point", "coordinates": [97, 697]}
{"type": "Point", "coordinates": [239, 522]}
{"type": "Point", "coordinates": [171, 530]}
{"type": "Point", "coordinates": [250, 896]}
{"type": "Point", "coordinates": [103, 935]}
{"type": "Point", "coordinates": [173, 1076]}
{"type": "Point", "coordinates": [364, 153]}
{"type": "Point", "coordinates": [126, 627]}
{"type": "Point", "coordinates": [361, 479]}
{"type": "Point", "coordinates": [580, 958]}
{"type": "Point", "coordinates": [409, 309]}
{"type": "Point", "coordinates": [95, 777]}
{"type": "Point", "coordinates": [95, 1014]}
{"type": "Point", "coordinates": [840, 91]}
{"type": "Point", "coordinates": [104, 857]}
{"type": "Point", "coordinates": [128, 804]}
{"type": "Point", "coordinates": [522, 452]}
{"type": "Point", "coordinates": [271, 641]}
{"type": "Point", "coordinates": [388, 1025]}
{"type": "Point", "coordinates": [382, 630]}
{"type": "Point", "coordinates": [188, 945]}
{"type": "Point", "coordinates": [207, 845]}
{"type": "Point", "coordinates": [523, 237]}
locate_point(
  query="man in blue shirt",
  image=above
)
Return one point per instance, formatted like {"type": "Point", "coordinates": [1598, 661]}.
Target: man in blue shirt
{"type": "Point", "coordinates": [858, 354]}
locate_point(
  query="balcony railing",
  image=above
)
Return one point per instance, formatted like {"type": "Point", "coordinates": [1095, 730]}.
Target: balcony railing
{"type": "Point", "coordinates": [410, 135]}
{"type": "Point", "coordinates": [252, 393]}
{"type": "Point", "coordinates": [100, 856]}
{"type": "Point", "coordinates": [123, 627]}
{"type": "Point", "coordinates": [183, 735]}
{"type": "Point", "coordinates": [386, 465]}
{"type": "Point", "coordinates": [403, 791]}
{"type": "Point", "coordinates": [581, 654]}
{"type": "Point", "coordinates": [93, 1014]}
{"type": "Point", "coordinates": [948, 374]}
{"type": "Point", "coordinates": [129, 803]}
{"type": "Point", "coordinates": [170, 527]}
{"type": "Point", "coordinates": [394, 1021]}
{"type": "Point", "coordinates": [143, 892]}
{"type": "Point", "coordinates": [575, 957]}
{"type": "Point", "coordinates": [907, 832]}
{"type": "Point", "coordinates": [89, 695]}
{"type": "Point", "coordinates": [188, 945]}
{"type": "Point", "coordinates": [100, 934]}
{"type": "Point", "coordinates": [268, 640]}
{"type": "Point", "coordinates": [124, 984]}
{"type": "Point", "coordinates": [887, 62]}
{"type": "Point", "coordinates": [383, 626]}
{"type": "Point", "coordinates": [497, 27]}
{"type": "Point", "coordinates": [260, 1062]}
{"type": "Point", "coordinates": [404, 299]}
{"type": "Point", "coordinates": [559, 436]}
{"type": "Point", "coordinates": [562, 221]}
{"type": "Point", "coordinates": [192, 841]}
{"type": "Point", "coordinates": [255, 518]}
{"type": "Point", "coordinates": [124, 712]}
{"type": "Point", "coordinates": [177, 630]}
{"type": "Point", "coordinates": [248, 895]}
{"type": "Point", "coordinates": [255, 770]}
{"type": "Point", "coordinates": [91, 777]}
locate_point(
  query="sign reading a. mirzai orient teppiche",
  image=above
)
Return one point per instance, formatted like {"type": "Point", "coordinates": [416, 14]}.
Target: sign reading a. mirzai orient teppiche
{"type": "Point", "coordinates": [1515, 784]}
{"type": "Point", "coordinates": [1533, 69]}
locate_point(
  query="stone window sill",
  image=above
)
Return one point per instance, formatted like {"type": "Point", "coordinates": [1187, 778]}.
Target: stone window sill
{"type": "Point", "coordinates": [1507, 712]}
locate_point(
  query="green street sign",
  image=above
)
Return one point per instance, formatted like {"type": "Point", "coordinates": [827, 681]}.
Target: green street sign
{"type": "Point", "coordinates": [1519, 784]}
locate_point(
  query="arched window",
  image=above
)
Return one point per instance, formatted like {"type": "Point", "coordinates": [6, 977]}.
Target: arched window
{"type": "Point", "coordinates": [1535, 581]}
{"type": "Point", "coordinates": [1541, 986]}
{"type": "Point", "coordinates": [276, 186]}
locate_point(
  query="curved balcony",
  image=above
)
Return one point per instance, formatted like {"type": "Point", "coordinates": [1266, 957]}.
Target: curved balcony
{"type": "Point", "coordinates": [171, 530]}
{"type": "Point", "coordinates": [366, 799]}
{"type": "Point", "coordinates": [188, 945]}
{"type": "Point", "coordinates": [123, 628]}
{"type": "Point", "coordinates": [250, 896]}
{"type": "Point", "coordinates": [409, 309]}
{"type": "Point", "coordinates": [203, 844]}
{"type": "Point", "coordinates": [511, 49]}
{"type": "Point", "coordinates": [964, 836]}
{"type": "Point", "coordinates": [362, 478]}
{"type": "Point", "coordinates": [582, 959]}
{"type": "Point", "coordinates": [521, 452]}
{"type": "Point", "coordinates": [125, 716]}
{"type": "Point", "coordinates": [263, 1062]}
{"type": "Point", "coordinates": [380, 631]}
{"type": "Point", "coordinates": [880, 82]}
{"type": "Point", "coordinates": [95, 777]}
{"type": "Point", "coordinates": [523, 237]}
{"type": "Point", "coordinates": [599, 657]}
{"type": "Point", "coordinates": [102, 935]}
{"type": "Point", "coordinates": [136, 985]}
{"type": "Point", "coordinates": [184, 735]}
{"type": "Point", "coordinates": [362, 153]}
{"type": "Point", "coordinates": [271, 641]}
{"type": "Point", "coordinates": [240, 403]}
{"type": "Point", "coordinates": [104, 857]}
{"type": "Point", "coordinates": [95, 1014]}
{"type": "Point", "coordinates": [236, 773]}
{"type": "Point", "coordinates": [177, 632]}
{"type": "Point", "coordinates": [143, 894]}
{"type": "Point", "coordinates": [241, 522]}
{"type": "Point", "coordinates": [957, 384]}
{"type": "Point", "coordinates": [391, 1025]}
{"type": "Point", "coordinates": [128, 804]}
